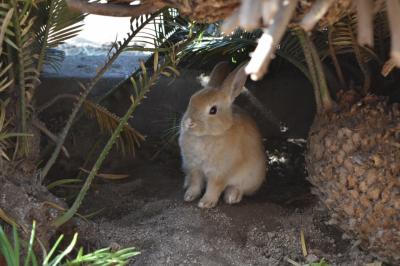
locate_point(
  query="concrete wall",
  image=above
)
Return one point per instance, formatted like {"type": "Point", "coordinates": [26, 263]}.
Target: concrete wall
{"type": "Point", "coordinates": [285, 95]}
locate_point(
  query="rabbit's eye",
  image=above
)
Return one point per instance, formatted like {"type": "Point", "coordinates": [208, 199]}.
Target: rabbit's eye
{"type": "Point", "coordinates": [213, 110]}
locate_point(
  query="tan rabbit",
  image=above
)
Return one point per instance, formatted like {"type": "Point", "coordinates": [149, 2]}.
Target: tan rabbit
{"type": "Point", "coordinates": [221, 145]}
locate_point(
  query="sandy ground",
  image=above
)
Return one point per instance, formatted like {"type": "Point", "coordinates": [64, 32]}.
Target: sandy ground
{"type": "Point", "coordinates": [147, 211]}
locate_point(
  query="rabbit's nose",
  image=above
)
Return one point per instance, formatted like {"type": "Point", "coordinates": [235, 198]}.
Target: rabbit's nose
{"type": "Point", "coordinates": [189, 123]}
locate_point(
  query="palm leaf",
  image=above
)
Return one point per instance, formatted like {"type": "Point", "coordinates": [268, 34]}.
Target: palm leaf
{"type": "Point", "coordinates": [5, 21]}
{"type": "Point", "coordinates": [207, 47]}
{"type": "Point", "coordinates": [22, 52]}
{"type": "Point", "coordinates": [344, 36]}
{"type": "Point", "coordinates": [108, 122]}
{"type": "Point", "coordinates": [58, 24]}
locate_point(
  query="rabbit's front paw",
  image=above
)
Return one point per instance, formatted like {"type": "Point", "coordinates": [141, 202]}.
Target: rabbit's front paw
{"type": "Point", "coordinates": [233, 195]}
{"type": "Point", "coordinates": [192, 193]}
{"type": "Point", "coordinates": [206, 203]}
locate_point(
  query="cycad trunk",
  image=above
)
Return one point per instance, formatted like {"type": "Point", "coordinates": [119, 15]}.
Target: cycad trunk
{"type": "Point", "coordinates": [353, 161]}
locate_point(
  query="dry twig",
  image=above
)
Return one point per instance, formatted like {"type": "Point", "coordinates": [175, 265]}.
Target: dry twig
{"type": "Point", "coordinates": [268, 42]}
{"type": "Point", "coordinates": [250, 14]}
{"type": "Point", "coordinates": [269, 9]}
{"type": "Point", "coordinates": [50, 135]}
{"type": "Point", "coordinates": [393, 10]}
{"type": "Point", "coordinates": [316, 12]}
{"type": "Point", "coordinates": [365, 25]}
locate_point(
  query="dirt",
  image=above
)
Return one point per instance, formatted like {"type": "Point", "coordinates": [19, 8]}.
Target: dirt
{"type": "Point", "coordinates": [147, 211]}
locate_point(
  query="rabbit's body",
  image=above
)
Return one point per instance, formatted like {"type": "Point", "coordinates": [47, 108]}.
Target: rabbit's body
{"type": "Point", "coordinates": [223, 150]}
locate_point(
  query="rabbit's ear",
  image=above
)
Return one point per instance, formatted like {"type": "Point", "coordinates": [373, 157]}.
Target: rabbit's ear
{"type": "Point", "coordinates": [234, 83]}
{"type": "Point", "coordinates": [218, 74]}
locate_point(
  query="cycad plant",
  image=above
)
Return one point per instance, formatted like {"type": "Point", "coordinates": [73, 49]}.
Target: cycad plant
{"type": "Point", "coordinates": [352, 156]}
{"type": "Point", "coordinates": [29, 31]}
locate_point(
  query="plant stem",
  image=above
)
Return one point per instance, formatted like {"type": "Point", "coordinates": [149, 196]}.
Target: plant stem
{"type": "Point", "coordinates": [302, 35]}
{"type": "Point", "coordinates": [360, 60]}
{"type": "Point", "coordinates": [20, 82]}
{"type": "Point", "coordinates": [334, 58]}
{"type": "Point", "coordinates": [322, 96]}
{"type": "Point", "coordinates": [326, 99]}
{"type": "Point", "coordinates": [124, 120]}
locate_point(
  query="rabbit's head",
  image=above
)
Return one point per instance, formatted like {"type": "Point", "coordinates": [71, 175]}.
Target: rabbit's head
{"type": "Point", "coordinates": [210, 110]}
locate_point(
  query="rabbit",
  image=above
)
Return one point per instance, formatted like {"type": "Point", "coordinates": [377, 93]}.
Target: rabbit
{"type": "Point", "coordinates": [221, 146]}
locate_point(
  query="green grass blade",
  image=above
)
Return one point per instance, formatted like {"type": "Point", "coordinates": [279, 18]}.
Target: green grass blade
{"type": "Point", "coordinates": [30, 255]}
{"type": "Point", "coordinates": [16, 245]}
{"type": "Point", "coordinates": [6, 249]}
{"type": "Point", "coordinates": [60, 257]}
{"type": "Point", "coordinates": [53, 249]}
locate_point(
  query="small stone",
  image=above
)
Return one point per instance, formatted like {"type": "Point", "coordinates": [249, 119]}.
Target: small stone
{"type": "Point", "coordinates": [365, 202]}
{"type": "Point", "coordinates": [372, 176]}
{"type": "Point", "coordinates": [311, 258]}
{"type": "Point", "coordinates": [354, 194]}
{"type": "Point", "coordinates": [374, 193]}
{"type": "Point", "coordinates": [363, 186]}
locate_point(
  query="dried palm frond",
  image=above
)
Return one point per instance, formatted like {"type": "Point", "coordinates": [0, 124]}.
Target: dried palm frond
{"type": "Point", "coordinates": [107, 121]}
{"type": "Point", "coordinates": [5, 81]}
{"type": "Point", "coordinates": [5, 136]}
{"type": "Point", "coordinates": [5, 19]}
{"type": "Point", "coordinates": [130, 137]}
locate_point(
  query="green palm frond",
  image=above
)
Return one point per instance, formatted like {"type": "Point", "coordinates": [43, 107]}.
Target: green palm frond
{"type": "Point", "coordinates": [108, 122]}
{"type": "Point", "coordinates": [21, 52]}
{"type": "Point", "coordinates": [207, 47]}
{"type": "Point", "coordinates": [55, 24]}
{"type": "Point", "coordinates": [290, 50]}
{"type": "Point", "coordinates": [157, 32]}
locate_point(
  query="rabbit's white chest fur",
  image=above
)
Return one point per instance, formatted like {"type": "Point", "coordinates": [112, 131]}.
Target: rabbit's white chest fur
{"type": "Point", "coordinates": [212, 155]}
{"type": "Point", "coordinates": [203, 153]}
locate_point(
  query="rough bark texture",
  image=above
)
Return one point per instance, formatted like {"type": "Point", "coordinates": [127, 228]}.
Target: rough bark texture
{"type": "Point", "coordinates": [353, 162]}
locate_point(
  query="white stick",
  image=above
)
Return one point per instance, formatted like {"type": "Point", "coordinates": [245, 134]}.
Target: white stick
{"type": "Point", "coordinates": [393, 10]}
{"type": "Point", "coordinates": [316, 12]}
{"type": "Point", "coordinates": [365, 22]}
{"type": "Point", "coordinates": [269, 9]}
{"type": "Point", "coordinates": [250, 14]}
{"type": "Point", "coordinates": [230, 23]}
{"type": "Point", "coordinates": [268, 42]}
